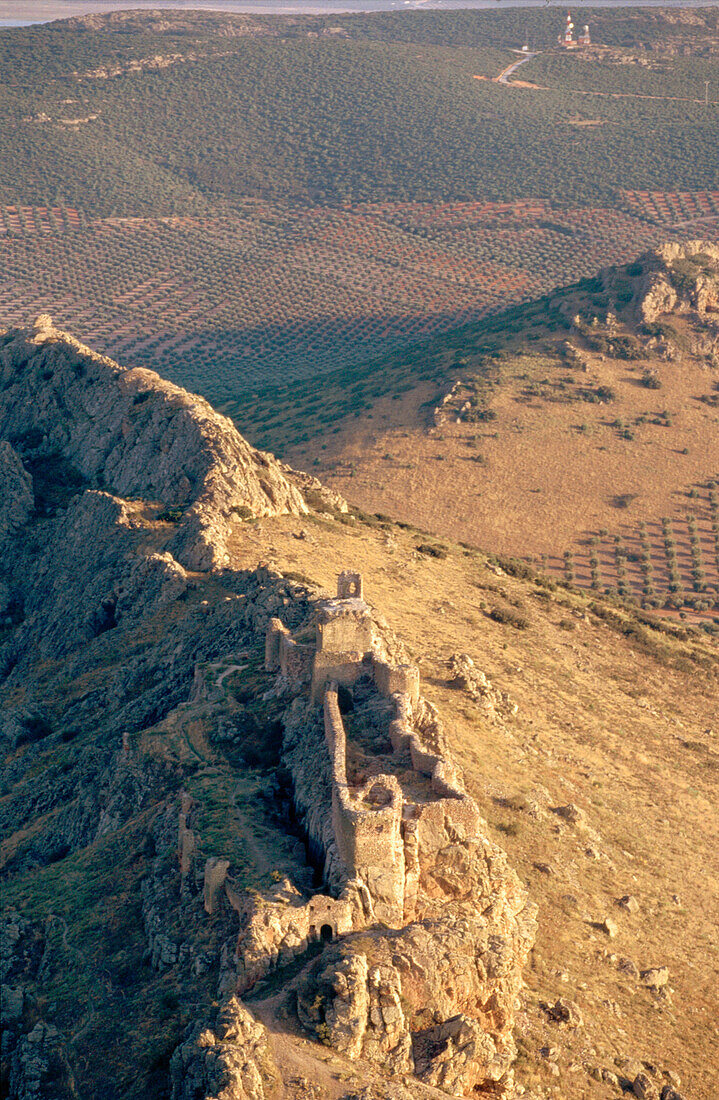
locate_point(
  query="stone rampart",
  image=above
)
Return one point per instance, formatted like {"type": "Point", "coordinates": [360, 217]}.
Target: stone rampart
{"type": "Point", "coordinates": [345, 626]}
{"type": "Point", "coordinates": [350, 586]}
{"type": "Point", "coordinates": [416, 727]}
{"type": "Point", "coordinates": [396, 679]}
{"type": "Point", "coordinates": [367, 823]}
{"type": "Point", "coordinates": [401, 845]}
{"type": "Point", "coordinates": [276, 631]}
{"type": "Point", "coordinates": [344, 668]}
{"type": "Point", "coordinates": [369, 833]}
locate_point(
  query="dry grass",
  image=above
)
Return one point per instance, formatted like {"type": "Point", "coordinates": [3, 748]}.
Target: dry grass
{"type": "Point", "coordinates": [553, 470]}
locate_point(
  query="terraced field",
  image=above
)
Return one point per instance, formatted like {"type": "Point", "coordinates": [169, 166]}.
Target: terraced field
{"type": "Point", "coordinates": [672, 562]}
{"type": "Point", "coordinates": [233, 302]}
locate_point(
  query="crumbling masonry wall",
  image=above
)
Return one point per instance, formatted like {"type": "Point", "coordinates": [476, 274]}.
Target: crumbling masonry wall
{"type": "Point", "coordinates": [375, 836]}
{"type": "Point", "coordinates": [367, 823]}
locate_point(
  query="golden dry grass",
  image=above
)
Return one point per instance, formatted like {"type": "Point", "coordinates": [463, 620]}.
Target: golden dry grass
{"type": "Point", "coordinates": [552, 470]}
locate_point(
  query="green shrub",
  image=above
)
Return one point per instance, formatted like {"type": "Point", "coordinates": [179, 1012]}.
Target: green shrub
{"type": "Point", "coordinates": [509, 616]}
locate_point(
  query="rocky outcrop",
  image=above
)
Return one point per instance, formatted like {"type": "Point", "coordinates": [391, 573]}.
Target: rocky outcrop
{"type": "Point", "coordinates": [16, 495]}
{"type": "Point", "coordinates": [355, 1007]}
{"type": "Point", "coordinates": [679, 277]}
{"type": "Point", "coordinates": [435, 998]}
{"type": "Point", "coordinates": [105, 631]}
{"type": "Point", "coordinates": [137, 435]}
{"type": "Point", "coordinates": [469, 678]}
{"type": "Point", "coordinates": [227, 1060]}
{"type": "Point", "coordinates": [657, 297]}
{"type": "Point", "coordinates": [93, 572]}
{"type": "Point", "coordinates": [39, 1066]}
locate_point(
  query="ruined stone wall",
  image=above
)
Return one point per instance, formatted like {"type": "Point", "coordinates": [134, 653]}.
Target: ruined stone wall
{"type": "Point", "coordinates": [350, 586]}
{"type": "Point", "coordinates": [296, 660]}
{"type": "Point", "coordinates": [367, 823]}
{"type": "Point", "coordinates": [396, 679]}
{"type": "Point", "coordinates": [305, 755]}
{"type": "Point", "coordinates": [344, 643]}
{"type": "Point", "coordinates": [345, 627]}
{"type": "Point", "coordinates": [278, 928]}
{"type": "Point", "coordinates": [276, 631]}
{"type": "Point", "coordinates": [343, 668]}
{"type": "Point", "coordinates": [368, 833]}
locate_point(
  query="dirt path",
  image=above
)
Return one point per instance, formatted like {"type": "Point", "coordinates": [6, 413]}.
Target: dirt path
{"type": "Point", "coordinates": [503, 77]}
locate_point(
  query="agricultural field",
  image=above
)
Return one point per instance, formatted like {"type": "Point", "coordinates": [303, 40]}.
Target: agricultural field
{"type": "Point", "coordinates": [227, 304]}
{"type": "Point", "coordinates": [365, 183]}
{"type": "Point", "coordinates": [670, 563]}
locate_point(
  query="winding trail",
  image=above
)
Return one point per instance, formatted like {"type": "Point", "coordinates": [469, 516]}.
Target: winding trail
{"type": "Point", "coordinates": [504, 76]}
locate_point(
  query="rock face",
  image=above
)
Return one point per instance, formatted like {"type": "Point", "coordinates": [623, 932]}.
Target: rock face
{"type": "Point", "coordinates": [679, 276]}
{"type": "Point", "coordinates": [135, 434]}
{"type": "Point", "coordinates": [39, 1067]}
{"type": "Point", "coordinates": [229, 1060]}
{"type": "Point", "coordinates": [356, 1008]}
{"type": "Point", "coordinates": [16, 495]}
{"type": "Point", "coordinates": [435, 999]}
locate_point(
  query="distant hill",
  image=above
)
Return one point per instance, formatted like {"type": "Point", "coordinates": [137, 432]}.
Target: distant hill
{"type": "Point", "coordinates": [580, 431]}
{"type": "Point", "coordinates": [179, 121]}
{"type": "Point", "coordinates": [239, 199]}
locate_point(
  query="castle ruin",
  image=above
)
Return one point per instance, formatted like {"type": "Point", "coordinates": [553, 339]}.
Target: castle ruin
{"type": "Point", "coordinates": [427, 927]}
{"type": "Point", "coordinates": [373, 832]}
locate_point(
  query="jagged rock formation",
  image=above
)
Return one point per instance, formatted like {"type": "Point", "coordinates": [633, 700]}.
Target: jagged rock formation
{"type": "Point", "coordinates": [133, 433]}
{"type": "Point", "coordinates": [230, 1060]}
{"type": "Point", "coordinates": [679, 277]}
{"type": "Point", "coordinates": [16, 496]}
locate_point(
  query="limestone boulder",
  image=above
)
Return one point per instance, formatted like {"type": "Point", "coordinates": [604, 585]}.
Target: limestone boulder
{"type": "Point", "coordinates": [461, 1056]}
{"type": "Point", "coordinates": [658, 297]}
{"type": "Point", "coordinates": [356, 1008]}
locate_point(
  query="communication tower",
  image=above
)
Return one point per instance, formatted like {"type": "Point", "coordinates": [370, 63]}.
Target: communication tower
{"type": "Point", "coordinates": [567, 39]}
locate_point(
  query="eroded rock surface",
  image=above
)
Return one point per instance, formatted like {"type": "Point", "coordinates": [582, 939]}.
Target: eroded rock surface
{"type": "Point", "coordinates": [229, 1060]}
{"type": "Point", "coordinates": [16, 495]}
{"type": "Point", "coordinates": [679, 277]}
{"type": "Point", "coordinates": [135, 434]}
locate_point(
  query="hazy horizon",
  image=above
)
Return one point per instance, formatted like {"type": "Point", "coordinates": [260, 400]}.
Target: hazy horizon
{"type": "Point", "coordinates": [15, 13]}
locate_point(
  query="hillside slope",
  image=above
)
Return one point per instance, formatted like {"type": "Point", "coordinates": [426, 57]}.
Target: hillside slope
{"type": "Point", "coordinates": [579, 431]}
{"type": "Point", "coordinates": [151, 758]}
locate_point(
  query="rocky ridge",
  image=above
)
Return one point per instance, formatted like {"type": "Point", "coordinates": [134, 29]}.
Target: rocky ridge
{"type": "Point", "coordinates": [133, 434]}
{"type": "Point", "coordinates": [119, 492]}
